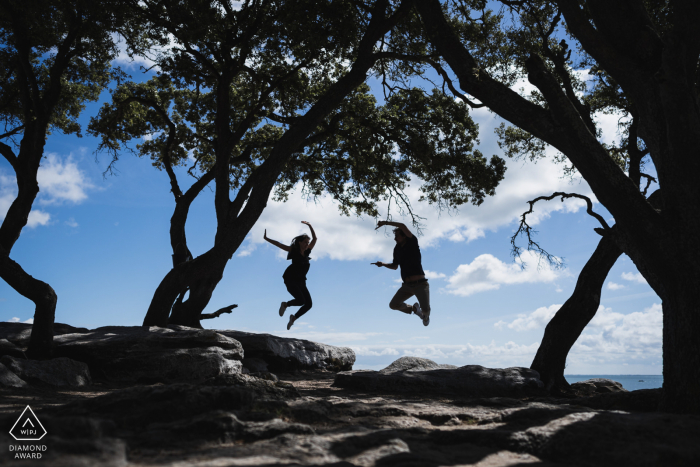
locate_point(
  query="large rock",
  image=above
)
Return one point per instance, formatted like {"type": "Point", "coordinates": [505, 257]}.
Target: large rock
{"type": "Point", "coordinates": [152, 354]}
{"type": "Point", "coordinates": [8, 379]}
{"type": "Point", "coordinates": [286, 355]}
{"type": "Point", "coordinates": [19, 333]}
{"type": "Point", "coordinates": [8, 348]}
{"type": "Point", "coordinates": [466, 381]}
{"type": "Point", "coordinates": [55, 372]}
{"type": "Point", "coordinates": [594, 386]}
{"type": "Point", "coordinates": [414, 364]}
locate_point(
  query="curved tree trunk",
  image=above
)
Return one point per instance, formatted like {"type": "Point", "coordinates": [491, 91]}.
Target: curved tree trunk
{"type": "Point", "coordinates": [567, 324]}
{"type": "Point", "coordinates": [44, 299]}
{"type": "Point", "coordinates": [26, 166]}
{"type": "Point", "coordinates": [200, 276]}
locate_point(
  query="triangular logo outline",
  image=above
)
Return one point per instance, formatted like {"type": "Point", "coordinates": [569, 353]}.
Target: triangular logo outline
{"type": "Point", "coordinates": [25, 422]}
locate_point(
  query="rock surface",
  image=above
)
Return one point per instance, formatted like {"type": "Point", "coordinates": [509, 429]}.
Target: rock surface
{"type": "Point", "coordinates": [285, 354]}
{"type": "Point", "coordinates": [414, 364]}
{"type": "Point", "coordinates": [409, 376]}
{"type": "Point", "coordinates": [19, 333]}
{"type": "Point", "coordinates": [240, 420]}
{"type": "Point", "coordinates": [9, 379]}
{"type": "Point", "coordinates": [8, 348]}
{"type": "Point", "coordinates": [594, 386]}
{"type": "Point", "coordinates": [55, 372]}
{"type": "Point", "coordinates": [152, 354]}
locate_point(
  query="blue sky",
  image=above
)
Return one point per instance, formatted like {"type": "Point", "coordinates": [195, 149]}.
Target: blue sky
{"type": "Point", "coordinates": [102, 244]}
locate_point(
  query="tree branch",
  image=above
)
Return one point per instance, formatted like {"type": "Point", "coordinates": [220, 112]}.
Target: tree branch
{"type": "Point", "coordinates": [649, 180]}
{"type": "Point", "coordinates": [12, 132]}
{"type": "Point", "coordinates": [524, 227]}
{"type": "Point", "coordinates": [7, 153]}
{"type": "Point", "coordinates": [217, 313]}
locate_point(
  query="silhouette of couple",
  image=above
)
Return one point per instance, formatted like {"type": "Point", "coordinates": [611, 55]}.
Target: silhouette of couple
{"type": "Point", "coordinates": [407, 257]}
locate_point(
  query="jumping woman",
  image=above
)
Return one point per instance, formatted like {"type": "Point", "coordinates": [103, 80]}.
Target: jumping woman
{"type": "Point", "coordinates": [295, 275]}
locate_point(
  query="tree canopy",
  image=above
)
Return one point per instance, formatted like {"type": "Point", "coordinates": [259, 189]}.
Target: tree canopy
{"type": "Point", "coordinates": [265, 96]}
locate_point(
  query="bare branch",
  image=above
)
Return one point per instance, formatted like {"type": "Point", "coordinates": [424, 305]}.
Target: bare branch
{"type": "Point", "coordinates": [12, 132]}
{"type": "Point", "coordinates": [524, 228]}
{"type": "Point", "coordinates": [649, 180]}
{"type": "Point", "coordinates": [217, 313]}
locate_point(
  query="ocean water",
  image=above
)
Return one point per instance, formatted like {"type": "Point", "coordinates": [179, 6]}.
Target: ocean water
{"type": "Point", "coordinates": [629, 382]}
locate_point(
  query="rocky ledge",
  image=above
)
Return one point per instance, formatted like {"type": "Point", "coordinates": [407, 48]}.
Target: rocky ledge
{"type": "Point", "coordinates": [135, 354]}
{"type": "Point", "coordinates": [304, 419]}
{"type": "Point", "coordinates": [421, 376]}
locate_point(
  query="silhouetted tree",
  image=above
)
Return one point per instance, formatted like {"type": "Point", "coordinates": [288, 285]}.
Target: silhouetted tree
{"type": "Point", "coordinates": [54, 57]}
{"type": "Point", "coordinates": [649, 50]}
{"type": "Point", "coordinates": [273, 93]}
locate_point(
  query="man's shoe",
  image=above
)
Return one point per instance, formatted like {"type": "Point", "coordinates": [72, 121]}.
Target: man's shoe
{"type": "Point", "coordinates": [283, 307]}
{"type": "Point", "coordinates": [291, 322]}
{"type": "Point", "coordinates": [417, 310]}
{"type": "Point", "coordinates": [426, 320]}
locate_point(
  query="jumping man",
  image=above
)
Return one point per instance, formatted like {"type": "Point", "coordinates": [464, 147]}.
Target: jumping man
{"type": "Point", "coordinates": [295, 275]}
{"type": "Point", "coordinates": [407, 257]}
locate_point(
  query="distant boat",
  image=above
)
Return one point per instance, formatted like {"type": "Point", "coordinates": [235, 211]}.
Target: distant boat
{"type": "Point", "coordinates": [641, 381]}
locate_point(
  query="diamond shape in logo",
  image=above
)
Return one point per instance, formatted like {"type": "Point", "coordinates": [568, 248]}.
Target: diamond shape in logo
{"type": "Point", "coordinates": [28, 427]}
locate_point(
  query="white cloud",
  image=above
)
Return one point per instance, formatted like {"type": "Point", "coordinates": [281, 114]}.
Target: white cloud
{"type": "Point", "coordinates": [634, 277]}
{"type": "Point", "coordinates": [538, 319]}
{"type": "Point", "coordinates": [137, 61]}
{"type": "Point", "coordinates": [610, 333]}
{"type": "Point", "coordinates": [352, 238]}
{"type": "Point", "coordinates": [487, 272]}
{"type": "Point", "coordinates": [365, 351]}
{"type": "Point", "coordinates": [338, 338]}
{"type": "Point", "coordinates": [37, 218]}
{"type": "Point", "coordinates": [17, 320]}
{"type": "Point", "coordinates": [615, 286]}
{"type": "Point", "coordinates": [491, 355]}
{"type": "Point", "coordinates": [8, 193]}
{"type": "Point", "coordinates": [61, 180]}
{"type": "Point", "coordinates": [434, 275]}
{"type": "Point", "coordinates": [71, 223]}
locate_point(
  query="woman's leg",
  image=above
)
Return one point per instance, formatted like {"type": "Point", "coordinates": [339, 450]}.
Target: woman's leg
{"type": "Point", "coordinates": [296, 290]}
{"type": "Point", "coordinates": [307, 301]}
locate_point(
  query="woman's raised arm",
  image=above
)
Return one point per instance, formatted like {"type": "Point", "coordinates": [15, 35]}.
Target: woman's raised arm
{"type": "Point", "coordinates": [275, 242]}
{"type": "Point", "coordinates": [313, 235]}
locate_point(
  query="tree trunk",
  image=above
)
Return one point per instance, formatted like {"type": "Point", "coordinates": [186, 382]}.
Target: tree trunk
{"type": "Point", "coordinates": [44, 299]}
{"type": "Point", "coordinates": [681, 356]}
{"type": "Point", "coordinates": [200, 276]}
{"type": "Point", "coordinates": [567, 324]}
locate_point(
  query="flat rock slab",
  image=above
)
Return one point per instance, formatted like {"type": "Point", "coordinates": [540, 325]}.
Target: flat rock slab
{"type": "Point", "coordinates": [284, 354]}
{"type": "Point", "coordinates": [55, 372]}
{"type": "Point", "coordinates": [19, 333]}
{"type": "Point", "coordinates": [466, 381]}
{"type": "Point", "coordinates": [152, 354]}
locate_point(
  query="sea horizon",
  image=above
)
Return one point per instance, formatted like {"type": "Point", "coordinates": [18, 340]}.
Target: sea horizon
{"type": "Point", "coordinates": [630, 382]}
